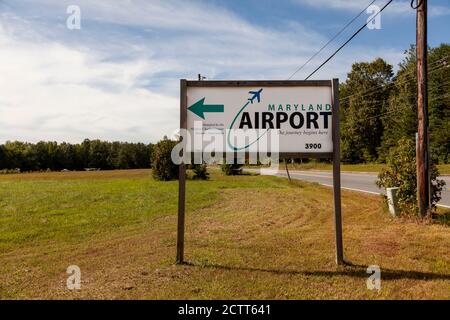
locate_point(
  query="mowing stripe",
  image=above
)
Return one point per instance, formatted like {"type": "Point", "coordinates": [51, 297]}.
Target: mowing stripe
{"type": "Point", "coordinates": [353, 189]}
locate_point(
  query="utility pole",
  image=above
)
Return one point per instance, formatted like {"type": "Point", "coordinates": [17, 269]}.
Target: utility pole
{"type": "Point", "coordinates": [422, 154]}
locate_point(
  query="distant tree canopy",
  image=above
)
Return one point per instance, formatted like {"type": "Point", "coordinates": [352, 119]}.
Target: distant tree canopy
{"type": "Point", "coordinates": [364, 97]}
{"type": "Point", "coordinates": [88, 154]}
{"type": "Point", "coordinates": [378, 109]}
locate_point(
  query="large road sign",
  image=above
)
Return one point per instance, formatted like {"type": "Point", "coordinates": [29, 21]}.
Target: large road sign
{"type": "Point", "coordinates": [299, 113]}
{"type": "Point", "coordinates": [302, 115]}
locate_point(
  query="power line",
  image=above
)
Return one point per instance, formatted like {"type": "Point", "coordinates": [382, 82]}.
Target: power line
{"type": "Point", "coordinates": [331, 40]}
{"type": "Point", "coordinates": [419, 3]}
{"type": "Point", "coordinates": [381, 115]}
{"type": "Point", "coordinates": [372, 90]}
{"type": "Point", "coordinates": [406, 79]}
{"type": "Point", "coordinates": [399, 108]}
{"type": "Point", "coordinates": [349, 39]}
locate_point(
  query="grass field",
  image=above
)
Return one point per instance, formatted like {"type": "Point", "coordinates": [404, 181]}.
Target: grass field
{"type": "Point", "coordinates": [247, 237]}
{"type": "Point", "coordinates": [364, 167]}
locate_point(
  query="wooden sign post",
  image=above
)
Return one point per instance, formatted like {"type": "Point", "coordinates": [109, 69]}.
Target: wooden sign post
{"type": "Point", "coordinates": [302, 108]}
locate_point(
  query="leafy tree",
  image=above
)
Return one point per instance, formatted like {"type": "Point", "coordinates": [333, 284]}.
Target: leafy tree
{"type": "Point", "coordinates": [200, 172]}
{"type": "Point", "coordinates": [401, 173]}
{"type": "Point", "coordinates": [96, 153]}
{"type": "Point", "coordinates": [163, 167]}
{"type": "Point", "coordinates": [84, 150]}
{"type": "Point", "coordinates": [67, 156]}
{"type": "Point", "coordinates": [401, 115]}
{"type": "Point", "coordinates": [364, 98]}
{"type": "Point", "coordinates": [439, 103]}
{"type": "Point", "coordinates": [16, 154]}
{"type": "Point", "coordinates": [142, 154]}
{"type": "Point", "coordinates": [231, 169]}
{"type": "Point", "coordinates": [3, 159]}
{"type": "Point", "coordinates": [126, 159]}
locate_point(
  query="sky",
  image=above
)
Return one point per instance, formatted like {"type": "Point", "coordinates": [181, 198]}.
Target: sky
{"type": "Point", "coordinates": [117, 77]}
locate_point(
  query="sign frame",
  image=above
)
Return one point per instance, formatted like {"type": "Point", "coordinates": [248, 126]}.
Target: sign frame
{"type": "Point", "coordinates": [335, 155]}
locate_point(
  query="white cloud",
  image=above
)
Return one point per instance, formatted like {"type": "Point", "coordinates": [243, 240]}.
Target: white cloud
{"type": "Point", "coordinates": [117, 78]}
{"type": "Point", "coordinates": [395, 8]}
{"type": "Point", "coordinates": [55, 92]}
{"type": "Point", "coordinates": [336, 4]}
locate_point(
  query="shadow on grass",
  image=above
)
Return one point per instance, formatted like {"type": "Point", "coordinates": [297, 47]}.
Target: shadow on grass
{"type": "Point", "coordinates": [442, 217]}
{"type": "Point", "coordinates": [248, 173]}
{"type": "Point", "coordinates": [349, 269]}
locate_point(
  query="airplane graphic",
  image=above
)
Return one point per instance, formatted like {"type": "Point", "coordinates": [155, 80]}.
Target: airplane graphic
{"type": "Point", "coordinates": [256, 94]}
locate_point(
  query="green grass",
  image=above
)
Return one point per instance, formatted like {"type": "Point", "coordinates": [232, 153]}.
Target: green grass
{"type": "Point", "coordinates": [444, 168]}
{"type": "Point", "coordinates": [247, 237]}
{"type": "Point", "coordinates": [70, 207]}
{"type": "Point", "coordinates": [363, 167]}
{"type": "Point", "coordinates": [370, 167]}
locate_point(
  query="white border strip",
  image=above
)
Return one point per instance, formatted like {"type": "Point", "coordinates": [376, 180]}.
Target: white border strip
{"type": "Point", "coordinates": [371, 192]}
{"type": "Point", "coordinates": [283, 175]}
{"type": "Point", "coordinates": [352, 189]}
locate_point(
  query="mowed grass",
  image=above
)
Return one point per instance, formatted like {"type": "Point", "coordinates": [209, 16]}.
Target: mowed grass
{"type": "Point", "coordinates": [362, 167]}
{"type": "Point", "coordinates": [247, 237]}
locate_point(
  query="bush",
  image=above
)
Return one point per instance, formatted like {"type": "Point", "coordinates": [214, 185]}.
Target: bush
{"type": "Point", "coordinates": [163, 167]}
{"type": "Point", "coordinates": [200, 172]}
{"type": "Point", "coordinates": [232, 169]}
{"type": "Point", "coordinates": [10, 171]}
{"type": "Point", "coordinates": [401, 173]}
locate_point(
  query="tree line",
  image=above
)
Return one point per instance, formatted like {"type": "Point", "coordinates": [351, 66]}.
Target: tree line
{"type": "Point", "coordinates": [378, 108]}
{"type": "Point", "coordinates": [88, 154]}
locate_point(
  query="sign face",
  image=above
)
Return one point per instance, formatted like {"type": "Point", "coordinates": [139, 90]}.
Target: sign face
{"type": "Point", "coordinates": [299, 116]}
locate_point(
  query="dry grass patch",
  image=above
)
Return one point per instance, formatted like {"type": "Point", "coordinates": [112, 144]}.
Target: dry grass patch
{"type": "Point", "coordinates": [247, 237]}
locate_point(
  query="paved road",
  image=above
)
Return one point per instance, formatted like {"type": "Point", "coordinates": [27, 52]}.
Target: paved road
{"type": "Point", "coordinates": [363, 182]}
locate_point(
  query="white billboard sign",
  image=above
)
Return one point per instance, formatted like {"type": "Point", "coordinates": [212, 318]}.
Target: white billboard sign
{"type": "Point", "coordinates": [299, 116]}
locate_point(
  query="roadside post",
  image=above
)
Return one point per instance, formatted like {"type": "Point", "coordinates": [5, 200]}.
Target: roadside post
{"type": "Point", "coordinates": [391, 194]}
{"type": "Point", "coordinates": [295, 114]}
{"type": "Point", "coordinates": [181, 179]}
{"type": "Point", "coordinates": [337, 174]}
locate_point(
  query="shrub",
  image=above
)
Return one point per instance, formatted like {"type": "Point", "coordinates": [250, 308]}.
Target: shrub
{"type": "Point", "coordinates": [163, 167]}
{"type": "Point", "coordinates": [401, 173]}
{"type": "Point", "coordinates": [10, 171]}
{"type": "Point", "coordinates": [200, 172]}
{"type": "Point", "coordinates": [231, 169]}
